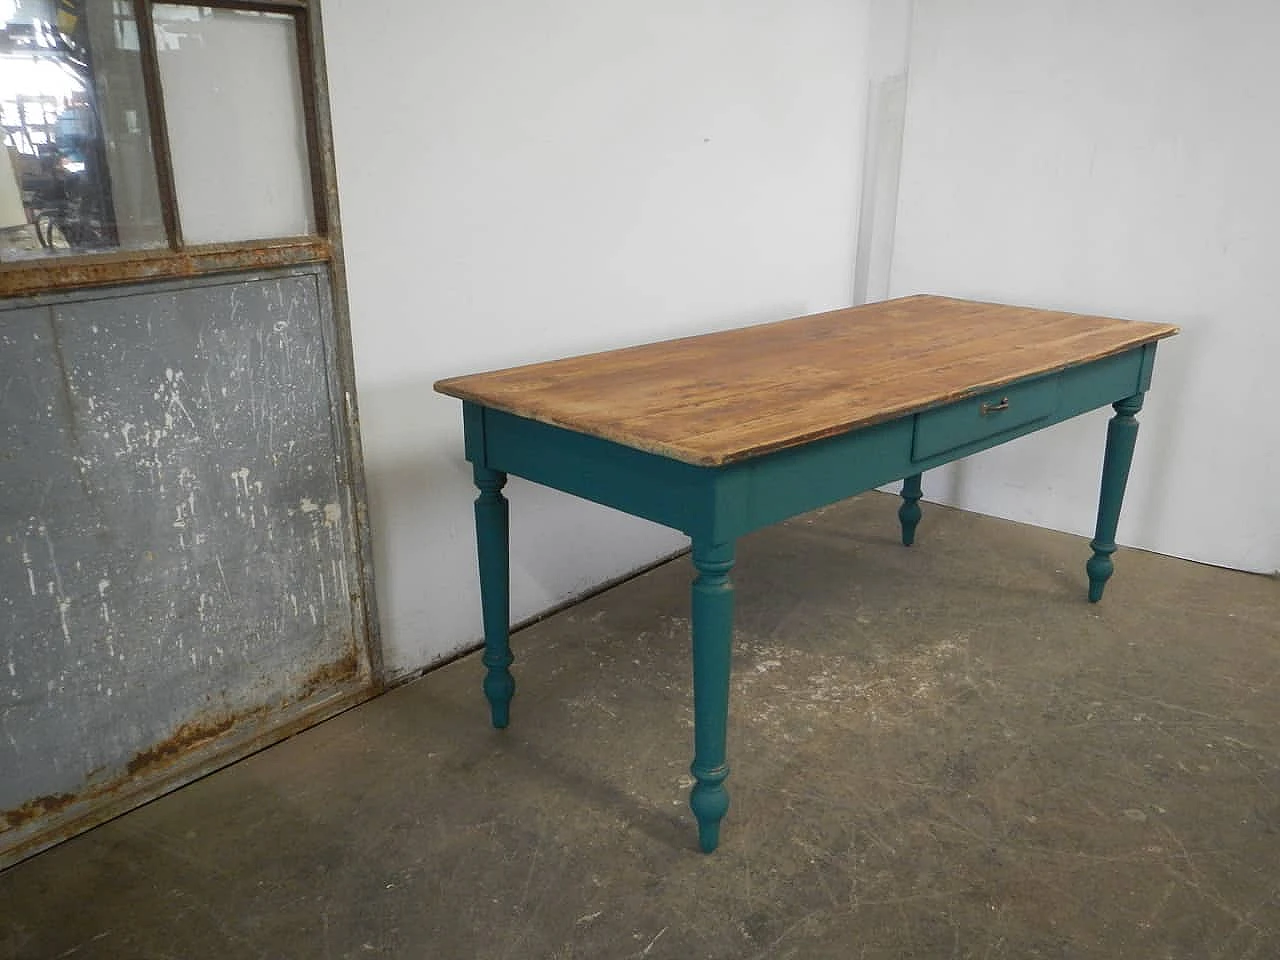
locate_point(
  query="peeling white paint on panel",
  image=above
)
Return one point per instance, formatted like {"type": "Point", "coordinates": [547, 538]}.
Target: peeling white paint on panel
{"type": "Point", "coordinates": [217, 559]}
{"type": "Point", "coordinates": [63, 606]}
{"type": "Point", "coordinates": [157, 584]}
{"type": "Point", "coordinates": [102, 595]}
{"type": "Point", "coordinates": [240, 477]}
{"type": "Point", "coordinates": [31, 574]}
{"type": "Point", "coordinates": [53, 556]}
{"type": "Point", "coordinates": [55, 586]}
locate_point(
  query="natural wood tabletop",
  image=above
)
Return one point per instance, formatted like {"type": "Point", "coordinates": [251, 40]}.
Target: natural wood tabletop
{"type": "Point", "coordinates": [727, 396]}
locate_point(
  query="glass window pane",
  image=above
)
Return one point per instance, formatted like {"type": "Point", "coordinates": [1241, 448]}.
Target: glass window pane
{"type": "Point", "coordinates": [233, 107]}
{"type": "Point", "coordinates": [77, 174]}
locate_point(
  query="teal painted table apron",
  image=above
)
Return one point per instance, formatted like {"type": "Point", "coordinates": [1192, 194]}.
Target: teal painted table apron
{"type": "Point", "coordinates": [723, 434]}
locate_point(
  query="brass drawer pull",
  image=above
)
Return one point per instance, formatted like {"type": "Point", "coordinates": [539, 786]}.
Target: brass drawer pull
{"type": "Point", "coordinates": [995, 407]}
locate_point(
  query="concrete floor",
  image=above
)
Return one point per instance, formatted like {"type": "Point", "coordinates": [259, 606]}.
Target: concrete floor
{"type": "Point", "coordinates": [940, 752]}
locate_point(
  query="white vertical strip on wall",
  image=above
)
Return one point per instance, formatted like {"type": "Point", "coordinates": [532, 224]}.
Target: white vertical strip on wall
{"type": "Point", "coordinates": [1113, 158]}
{"type": "Point", "coordinates": [888, 58]}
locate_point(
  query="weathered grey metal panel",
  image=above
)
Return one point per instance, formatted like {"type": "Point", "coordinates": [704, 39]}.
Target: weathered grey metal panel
{"type": "Point", "coordinates": [176, 550]}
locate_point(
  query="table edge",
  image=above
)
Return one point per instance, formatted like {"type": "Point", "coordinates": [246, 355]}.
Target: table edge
{"type": "Point", "coordinates": [448, 387]}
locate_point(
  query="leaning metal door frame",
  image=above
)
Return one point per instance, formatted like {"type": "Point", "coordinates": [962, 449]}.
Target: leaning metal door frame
{"type": "Point", "coordinates": [42, 281]}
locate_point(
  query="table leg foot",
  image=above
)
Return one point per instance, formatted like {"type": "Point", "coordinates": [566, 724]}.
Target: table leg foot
{"type": "Point", "coordinates": [1122, 435]}
{"type": "Point", "coordinates": [492, 548]}
{"type": "Point", "coordinates": [909, 512]}
{"type": "Point", "coordinates": [712, 652]}
{"type": "Point", "coordinates": [709, 801]}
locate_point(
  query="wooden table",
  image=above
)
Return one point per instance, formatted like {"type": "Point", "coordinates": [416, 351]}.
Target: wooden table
{"type": "Point", "coordinates": [722, 434]}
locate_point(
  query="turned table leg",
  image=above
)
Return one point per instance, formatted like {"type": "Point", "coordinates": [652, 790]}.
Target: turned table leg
{"type": "Point", "coordinates": [493, 551]}
{"type": "Point", "coordinates": [712, 648]}
{"type": "Point", "coordinates": [1122, 434]}
{"type": "Point", "coordinates": [909, 512]}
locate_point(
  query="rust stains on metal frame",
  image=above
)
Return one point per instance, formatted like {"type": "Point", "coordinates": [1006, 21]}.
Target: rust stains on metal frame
{"type": "Point", "coordinates": [36, 807]}
{"type": "Point", "coordinates": [157, 123]}
{"type": "Point", "coordinates": [190, 737]}
{"type": "Point", "coordinates": [302, 32]}
{"type": "Point", "coordinates": [326, 175]}
{"type": "Point", "coordinates": [72, 273]}
{"type": "Point", "coordinates": [192, 734]}
{"type": "Point", "coordinates": [331, 674]}
{"type": "Point", "coordinates": [198, 747]}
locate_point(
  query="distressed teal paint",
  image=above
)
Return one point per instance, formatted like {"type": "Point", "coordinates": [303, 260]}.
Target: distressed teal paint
{"type": "Point", "coordinates": [909, 512]}
{"type": "Point", "coordinates": [642, 484]}
{"type": "Point", "coordinates": [492, 539]}
{"type": "Point", "coordinates": [716, 505]}
{"type": "Point", "coordinates": [756, 493]}
{"type": "Point", "coordinates": [1104, 381]}
{"type": "Point", "coordinates": [1122, 434]}
{"type": "Point", "coordinates": [1148, 367]}
{"type": "Point", "coordinates": [473, 433]}
{"type": "Point", "coordinates": [712, 616]}
{"type": "Point", "coordinates": [764, 491]}
{"type": "Point", "coordinates": [986, 415]}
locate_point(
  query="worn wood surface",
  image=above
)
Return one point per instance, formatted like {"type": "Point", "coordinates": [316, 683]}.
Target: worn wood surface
{"type": "Point", "coordinates": [728, 396]}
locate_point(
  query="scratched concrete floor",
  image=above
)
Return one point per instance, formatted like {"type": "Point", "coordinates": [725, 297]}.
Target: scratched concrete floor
{"type": "Point", "coordinates": [940, 752]}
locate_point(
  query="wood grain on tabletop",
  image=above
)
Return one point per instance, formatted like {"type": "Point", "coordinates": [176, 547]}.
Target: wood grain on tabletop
{"type": "Point", "coordinates": [720, 397]}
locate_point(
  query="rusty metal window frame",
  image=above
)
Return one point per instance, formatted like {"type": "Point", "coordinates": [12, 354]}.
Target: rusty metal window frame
{"type": "Point", "coordinates": [180, 259]}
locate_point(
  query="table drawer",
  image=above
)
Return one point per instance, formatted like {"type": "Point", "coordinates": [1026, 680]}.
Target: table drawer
{"type": "Point", "coordinates": [982, 416]}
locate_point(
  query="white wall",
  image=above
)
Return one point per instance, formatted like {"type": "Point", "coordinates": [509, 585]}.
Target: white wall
{"type": "Point", "coordinates": [526, 180]}
{"type": "Point", "coordinates": [1118, 158]}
